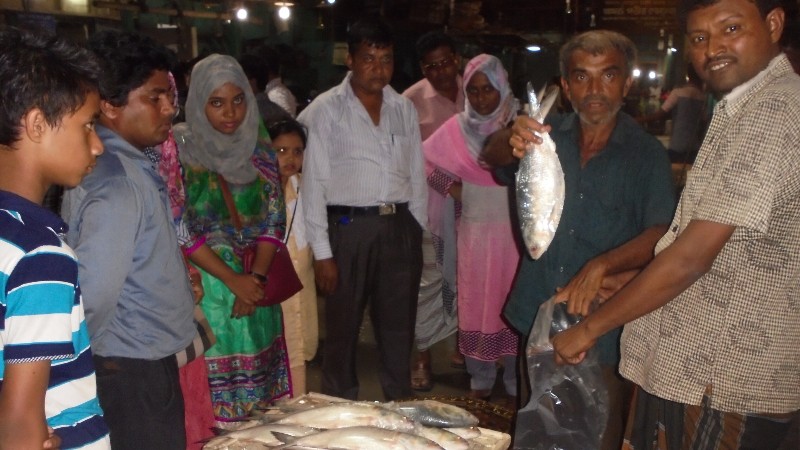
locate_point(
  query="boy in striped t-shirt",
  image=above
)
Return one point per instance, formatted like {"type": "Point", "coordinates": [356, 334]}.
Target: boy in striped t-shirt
{"type": "Point", "coordinates": [48, 105]}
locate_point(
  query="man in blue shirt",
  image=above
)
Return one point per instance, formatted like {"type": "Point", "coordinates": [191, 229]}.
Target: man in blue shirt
{"type": "Point", "coordinates": [47, 379]}
{"type": "Point", "coordinates": [138, 298]}
{"type": "Point", "coordinates": [619, 197]}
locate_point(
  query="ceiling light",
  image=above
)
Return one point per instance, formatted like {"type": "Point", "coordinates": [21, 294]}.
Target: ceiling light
{"type": "Point", "coordinates": [637, 73]}
{"type": "Point", "coordinates": [534, 48]}
{"type": "Point", "coordinates": [241, 13]}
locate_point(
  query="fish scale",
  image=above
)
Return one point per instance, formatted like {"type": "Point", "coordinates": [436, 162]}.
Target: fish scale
{"type": "Point", "coordinates": [540, 183]}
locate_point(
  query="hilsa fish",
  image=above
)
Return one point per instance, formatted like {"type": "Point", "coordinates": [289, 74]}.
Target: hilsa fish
{"type": "Point", "coordinates": [340, 415]}
{"type": "Point", "coordinates": [434, 414]}
{"type": "Point", "coordinates": [540, 183]}
{"type": "Point", "coordinates": [261, 433]}
{"type": "Point", "coordinates": [359, 438]}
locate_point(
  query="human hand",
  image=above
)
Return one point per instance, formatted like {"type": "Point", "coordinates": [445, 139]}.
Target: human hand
{"type": "Point", "coordinates": [196, 280]}
{"type": "Point", "coordinates": [523, 134]}
{"type": "Point", "coordinates": [53, 442]}
{"type": "Point", "coordinates": [246, 288]}
{"type": "Point", "coordinates": [570, 346]}
{"type": "Point", "coordinates": [583, 288]}
{"type": "Point", "coordinates": [327, 275]}
{"type": "Point", "coordinates": [242, 308]}
{"type": "Point", "coordinates": [455, 191]}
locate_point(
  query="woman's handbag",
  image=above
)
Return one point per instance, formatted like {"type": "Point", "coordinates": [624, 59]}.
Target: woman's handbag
{"type": "Point", "coordinates": [203, 340]}
{"type": "Point", "coordinates": [282, 280]}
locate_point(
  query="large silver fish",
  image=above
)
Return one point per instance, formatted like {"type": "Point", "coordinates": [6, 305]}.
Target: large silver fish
{"type": "Point", "coordinates": [261, 433]}
{"type": "Point", "coordinates": [540, 183]}
{"type": "Point", "coordinates": [361, 438]}
{"type": "Point", "coordinates": [340, 415]}
{"type": "Point", "coordinates": [446, 439]}
{"type": "Point", "coordinates": [434, 414]}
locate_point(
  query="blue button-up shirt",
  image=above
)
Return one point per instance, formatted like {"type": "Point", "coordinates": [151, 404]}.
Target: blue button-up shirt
{"type": "Point", "coordinates": [137, 296]}
{"type": "Point", "coordinates": [624, 189]}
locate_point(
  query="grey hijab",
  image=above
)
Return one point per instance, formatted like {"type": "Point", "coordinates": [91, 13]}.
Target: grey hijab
{"type": "Point", "coordinates": [201, 144]}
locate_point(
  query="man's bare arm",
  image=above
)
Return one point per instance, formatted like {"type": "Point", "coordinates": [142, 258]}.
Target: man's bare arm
{"type": "Point", "coordinates": [584, 287]}
{"type": "Point", "coordinates": [671, 272]}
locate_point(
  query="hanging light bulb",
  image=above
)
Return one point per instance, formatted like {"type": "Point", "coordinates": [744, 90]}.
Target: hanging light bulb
{"type": "Point", "coordinates": [284, 12]}
{"type": "Point", "coordinates": [241, 13]}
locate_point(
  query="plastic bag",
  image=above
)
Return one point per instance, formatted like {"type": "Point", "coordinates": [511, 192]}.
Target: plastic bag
{"type": "Point", "coordinates": [568, 409]}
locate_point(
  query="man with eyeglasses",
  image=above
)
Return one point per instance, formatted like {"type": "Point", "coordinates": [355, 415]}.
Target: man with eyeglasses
{"type": "Point", "coordinates": [138, 298]}
{"type": "Point", "coordinates": [437, 97]}
{"type": "Point", "coordinates": [364, 203]}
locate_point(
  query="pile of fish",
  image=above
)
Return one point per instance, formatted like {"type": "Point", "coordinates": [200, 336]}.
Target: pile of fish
{"type": "Point", "coordinates": [418, 424]}
{"type": "Point", "coordinates": [540, 182]}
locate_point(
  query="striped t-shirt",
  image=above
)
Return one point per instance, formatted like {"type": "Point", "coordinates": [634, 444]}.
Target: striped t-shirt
{"type": "Point", "coordinates": [41, 318]}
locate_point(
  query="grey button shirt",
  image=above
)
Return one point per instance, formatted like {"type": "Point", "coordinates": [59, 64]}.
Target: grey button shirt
{"type": "Point", "coordinates": [137, 297]}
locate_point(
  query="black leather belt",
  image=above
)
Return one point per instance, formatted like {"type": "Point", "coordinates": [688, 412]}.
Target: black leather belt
{"type": "Point", "coordinates": [380, 210]}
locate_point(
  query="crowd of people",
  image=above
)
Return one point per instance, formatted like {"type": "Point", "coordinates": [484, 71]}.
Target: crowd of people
{"type": "Point", "coordinates": [133, 320]}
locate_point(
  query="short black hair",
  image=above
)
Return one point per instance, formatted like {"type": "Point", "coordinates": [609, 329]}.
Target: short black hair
{"type": "Point", "coordinates": [687, 6]}
{"type": "Point", "coordinates": [287, 126]}
{"type": "Point", "coordinates": [432, 40]}
{"type": "Point", "coordinates": [372, 31]}
{"type": "Point", "coordinates": [255, 67]}
{"type": "Point", "coordinates": [128, 61]}
{"type": "Point", "coordinates": [40, 70]}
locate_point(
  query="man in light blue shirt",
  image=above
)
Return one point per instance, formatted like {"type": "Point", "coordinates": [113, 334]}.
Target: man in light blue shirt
{"type": "Point", "coordinates": [138, 299]}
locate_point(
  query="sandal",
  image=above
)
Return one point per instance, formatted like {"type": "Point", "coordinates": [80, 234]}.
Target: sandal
{"type": "Point", "coordinates": [421, 378]}
{"type": "Point", "coordinates": [457, 361]}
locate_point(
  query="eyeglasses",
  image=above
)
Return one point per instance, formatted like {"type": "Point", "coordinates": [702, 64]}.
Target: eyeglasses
{"type": "Point", "coordinates": [439, 65]}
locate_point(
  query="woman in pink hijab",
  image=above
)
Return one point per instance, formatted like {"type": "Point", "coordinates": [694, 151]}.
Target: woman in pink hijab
{"type": "Point", "coordinates": [488, 255]}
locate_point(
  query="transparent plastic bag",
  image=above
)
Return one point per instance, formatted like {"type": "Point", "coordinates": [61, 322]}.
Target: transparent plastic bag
{"type": "Point", "coordinates": [568, 409]}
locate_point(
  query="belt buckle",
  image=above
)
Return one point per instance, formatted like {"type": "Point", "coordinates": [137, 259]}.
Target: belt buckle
{"type": "Point", "coordinates": [385, 209]}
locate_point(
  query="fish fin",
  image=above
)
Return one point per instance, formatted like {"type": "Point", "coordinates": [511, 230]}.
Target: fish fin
{"type": "Point", "coordinates": [547, 102]}
{"type": "Point", "coordinates": [283, 437]}
{"type": "Point", "coordinates": [533, 100]}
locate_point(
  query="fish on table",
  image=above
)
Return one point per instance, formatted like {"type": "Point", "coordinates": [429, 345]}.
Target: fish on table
{"type": "Point", "coordinates": [360, 438]}
{"type": "Point", "coordinates": [258, 432]}
{"type": "Point", "coordinates": [340, 415]}
{"type": "Point", "coordinates": [434, 414]}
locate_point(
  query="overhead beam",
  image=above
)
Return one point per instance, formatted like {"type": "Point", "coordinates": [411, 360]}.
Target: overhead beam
{"type": "Point", "coordinates": [173, 12]}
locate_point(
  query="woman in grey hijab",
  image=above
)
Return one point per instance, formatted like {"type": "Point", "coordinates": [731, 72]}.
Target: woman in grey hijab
{"type": "Point", "coordinates": [225, 147]}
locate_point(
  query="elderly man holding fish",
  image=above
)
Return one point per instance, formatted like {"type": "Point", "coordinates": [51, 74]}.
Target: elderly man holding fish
{"type": "Point", "coordinates": [618, 192]}
{"type": "Point", "coordinates": [712, 324]}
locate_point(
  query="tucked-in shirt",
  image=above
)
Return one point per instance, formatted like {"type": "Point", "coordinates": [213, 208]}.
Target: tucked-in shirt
{"type": "Point", "coordinates": [278, 93]}
{"type": "Point", "coordinates": [737, 329]}
{"type": "Point", "coordinates": [137, 295]}
{"type": "Point", "coordinates": [351, 161]}
{"type": "Point", "coordinates": [41, 318]}
{"type": "Point", "coordinates": [433, 108]}
{"type": "Point", "coordinates": [621, 191]}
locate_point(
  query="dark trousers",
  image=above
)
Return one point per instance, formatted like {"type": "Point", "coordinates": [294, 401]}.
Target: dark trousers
{"type": "Point", "coordinates": [380, 262]}
{"type": "Point", "coordinates": [142, 403]}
